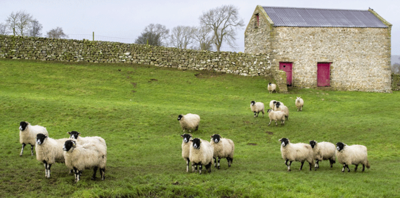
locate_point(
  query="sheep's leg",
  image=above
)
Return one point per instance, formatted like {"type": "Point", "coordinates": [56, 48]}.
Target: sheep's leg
{"type": "Point", "coordinates": [22, 149]}
{"type": "Point", "coordinates": [229, 161]}
{"type": "Point", "coordinates": [103, 173]}
{"type": "Point", "coordinates": [200, 167]}
{"type": "Point", "coordinates": [48, 170]}
{"type": "Point", "coordinates": [215, 162]}
{"type": "Point", "coordinates": [344, 167]}
{"type": "Point", "coordinates": [208, 167]}
{"type": "Point", "coordinates": [45, 168]}
{"type": "Point", "coordinates": [269, 122]}
{"type": "Point", "coordinates": [316, 164]}
{"type": "Point", "coordinates": [193, 167]}
{"type": "Point", "coordinates": [255, 114]}
{"type": "Point", "coordinates": [219, 159]}
{"type": "Point", "coordinates": [288, 166]}
{"type": "Point", "coordinates": [276, 124]}
{"type": "Point", "coordinates": [302, 163]}
{"type": "Point", "coordinates": [31, 150]}
{"type": "Point", "coordinates": [310, 165]}
{"type": "Point", "coordinates": [355, 169]}
{"type": "Point", "coordinates": [363, 168]}
{"type": "Point", "coordinates": [187, 164]}
{"type": "Point", "coordinates": [94, 173]}
{"type": "Point", "coordinates": [197, 128]}
{"type": "Point", "coordinates": [332, 162]}
{"type": "Point", "coordinates": [77, 175]}
{"type": "Point", "coordinates": [286, 162]}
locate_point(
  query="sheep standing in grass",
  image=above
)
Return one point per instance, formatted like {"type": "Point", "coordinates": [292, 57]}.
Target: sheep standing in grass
{"type": "Point", "coordinates": [271, 87]}
{"type": "Point", "coordinates": [201, 153]}
{"type": "Point", "coordinates": [223, 148]}
{"type": "Point", "coordinates": [285, 110]}
{"type": "Point", "coordinates": [296, 152]}
{"type": "Point", "coordinates": [189, 121]}
{"type": "Point", "coordinates": [75, 135]}
{"type": "Point", "coordinates": [354, 154]}
{"type": "Point", "coordinates": [186, 149]}
{"type": "Point", "coordinates": [80, 157]}
{"type": "Point", "coordinates": [323, 151]}
{"type": "Point", "coordinates": [257, 107]}
{"type": "Point", "coordinates": [277, 106]}
{"type": "Point", "coordinates": [276, 116]}
{"type": "Point", "coordinates": [49, 151]}
{"type": "Point", "coordinates": [27, 134]}
{"type": "Point", "coordinates": [299, 103]}
{"type": "Point", "coordinates": [272, 104]}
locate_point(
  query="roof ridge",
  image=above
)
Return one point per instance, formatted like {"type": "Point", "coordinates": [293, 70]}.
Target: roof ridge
{"type": "Point", "coordinates": [314, 8]}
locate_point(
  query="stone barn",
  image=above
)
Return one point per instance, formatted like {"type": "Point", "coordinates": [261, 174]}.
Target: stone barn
{"type": "Point", "coordinates": [335, 48]}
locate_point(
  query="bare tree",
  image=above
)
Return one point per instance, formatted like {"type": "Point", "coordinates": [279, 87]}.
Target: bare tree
{"type": "Point", "coordinates": [36, 29]}
{"type": "Point", "coordinates": [223, 22]}
{"type": "Point", "coordinates": [149, 38]}
{"type": "Point", "coordinates": [19, 23]}
{"type": "Point", "coordinates": [182, 36]}
{"type": "Point", "coordinates": [56, 33]}
{"type": "Point", "coordinates": [203, 37]}
{"type": "Point", "coordinates": [154, 31]}
{"type": "Point", "coordinates": [3, 29]}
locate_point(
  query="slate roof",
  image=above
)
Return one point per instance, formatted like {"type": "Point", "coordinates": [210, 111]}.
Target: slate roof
{"type": "Point", "coordinates": [312, 17]}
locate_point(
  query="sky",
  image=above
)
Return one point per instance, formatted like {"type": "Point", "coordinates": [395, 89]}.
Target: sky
{"type": "Point", "coordinates": [125, 20]}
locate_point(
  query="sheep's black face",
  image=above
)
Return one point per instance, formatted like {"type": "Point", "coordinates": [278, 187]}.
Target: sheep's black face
{"type": "Point", "coordinates": [274, 103]}
{"type": "Point", "coordinates": [269, 83]}
{"type": "Point", "coordinates": [253, 103]}
{"type": "Point", "coordinates": [40, 138]}
{"type": "Point", "coordinates": [23, 125]}
{"type": "Point", "coordinates": [284, 141]}
{"type": "Point", "coordinates": [313, 143]}
{"type": "Point", "coordinates": [186, 137]}
{"type": "Point", "coordinates": [196, 143]}
{"type": "Point", "coordinates": [340, 146]}
{"type": "Point", "coordinates": [180, 117]}
{"type": "Point", "coordinates": [278, 104]}
{"type": "Point", "coordinates": [216, 138]}
{"type": "Point", "coordinates": [74, 134]}
{"type": "Point", "coordinates": [68, 145]}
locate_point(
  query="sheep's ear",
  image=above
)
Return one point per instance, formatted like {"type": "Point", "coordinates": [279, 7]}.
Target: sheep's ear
{"type": "Point", "coordinates": [74, 143]}
{"type": "Point", "coordinates": [69, 133]}
{"type": "Point", "coordinates": [181, 135]}
{"type": "Point", "coordinates": [280, 140]}
{"type": "Point", "coordinates": [191, 140]}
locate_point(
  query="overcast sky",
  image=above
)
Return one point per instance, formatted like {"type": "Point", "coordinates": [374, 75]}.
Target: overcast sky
{"type": "Point", "coordinates": [124, 20]}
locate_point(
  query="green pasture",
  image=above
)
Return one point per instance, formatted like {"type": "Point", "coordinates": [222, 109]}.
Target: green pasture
{"type": "Point", "coordinates": [135, 109]}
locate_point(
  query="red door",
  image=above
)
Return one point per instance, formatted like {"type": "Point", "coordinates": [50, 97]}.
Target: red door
{"type": "Point", "coordinates": [287, 67]}
{"type": "Point", "coordinates": [323, 75]}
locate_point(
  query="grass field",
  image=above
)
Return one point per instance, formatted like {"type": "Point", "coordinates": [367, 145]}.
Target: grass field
{"type": "Point", "coordinates": [135, 109]}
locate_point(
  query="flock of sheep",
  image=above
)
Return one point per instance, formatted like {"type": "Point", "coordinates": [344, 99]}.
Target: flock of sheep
{"type": "Point", "coordinates": [78, 153]}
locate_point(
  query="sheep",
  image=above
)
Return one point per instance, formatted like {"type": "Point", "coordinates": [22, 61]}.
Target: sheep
{"type": "Point", "coordinates": [296, 152]}
{"type": "Point", "coordinates": [223, 148]}
{"type": "Point", "coordinates": [186, 149]}
{"type": "Point", "coordinates": [285, 110]}
{"type": "Point", "coordinates": [272, 104]}
{"type": "Point", "coordinates": [27, 134]}
{"type": "Point", "coordinates": [49, 151]}
{"type": "Point", "coordinates": [80, 157]}
{"type": "Point", "coordinates": [276, 116]}
{"type": "Point", "coordinates": [189, 121]}
{"type": "Point", "coordinates": [277, 105]}
{"type": "Point", "coordinates": [323, 151]}
{"type": "Point", "coordinates": [201, 153]}
{"type": "Point", "coordinates": [299, 103]}
{"type": "Point", "coordinates": [257, 107]}
{"type": "Point", "coordinates": [354, 154]}
{"type": "Point", "coordinates": [271, 87]}
{"type": "Point", "coordinates": [75, 135]}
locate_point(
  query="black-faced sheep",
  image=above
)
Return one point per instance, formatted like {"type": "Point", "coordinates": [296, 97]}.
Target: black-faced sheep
{"type": "Point", "coordinates": [75, 135]}
{"type": "Point", "coordinates": [276, 116]}
{"type": "Point", "coordinates": [223, 148]}
{"type": "Point", "coordinates": [323, 151]}
{"type": "Point", "coordinates": [201, 153]}
{"type": "Point", "coordinates": [49, 151]}
{"type": "Point", "coordinates": [27, 134]}
{"type": "Point", "coordinates": [354, 154]}
{"type": "Point", "coordinates": [257, 107]}
{"type": "Point", "coordinates": [296, 152]}
{"type": "Point", "coordinates": [271, 87]}
{"type": "Point", "coordinates": [189, 122]}
{"type": "Point", "coordinates": [80, 157]}
{"type": "Point", "coordinates": [186, 149]}
{"type": "Point", "coordinates": [272, 104]}
{"type": "Point", "coordinates": [299, 103]}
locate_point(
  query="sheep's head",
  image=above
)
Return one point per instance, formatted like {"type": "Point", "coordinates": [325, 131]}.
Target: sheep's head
{"type": "Point", "coordinates": [269, 110]}
{"type": "Point", "coordinates": [23, 125]}
{"type": "Point", "coordinates": [196, 143]}
{"type": "Point", "coordinates": [216, 138]}
{"type": "Point", "coordinates": [313, 143]}
{"type": "Point", "coordinates": [186, 137]}
{"type": "Point", "coordinates": [69, 144]}
{"type": "Point", "coordinates": [74, 135]}
{"type": "Point", "coordinates": [340, 146]}
{"type": "Point", "coordinates": [284, 141]}
{"type": "Point", "coordinates": [253, 103]}
{"type": "Point", "coordinates": [269, 83]}
{"type": "Point", "coordinates": [274, 103]}
{"type": "Point", "coordinates": [180, 117]}
{"type": "Point", "coordinates": [40, 137]}
{"type": "Point", "coordinates": [278, 104]}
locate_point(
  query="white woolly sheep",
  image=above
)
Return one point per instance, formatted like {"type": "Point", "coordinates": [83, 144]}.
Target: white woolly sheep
{"type": "Point", "coordinates": [27, 134]}
{"type": "Point", "coordinates": [75, 135]}
{"type": "Point", "coordinates": [285, 110]}
{"type": "Point", "coordinates": [223, 148]}
{"type": "Point", "coordinates": [201, 153]}
{"type": "Point", "coordinates": [276, 116]}
{"type": "Point", "coordinates": [299, 152]}
{"type": "Point", "coordinates": [186, 149]}
{"type": "Point", "coordinates": [277, 105]}
{"type": "Point", "coordinates": [257, 107]}
{"type": "Point", "coordinates": [323, 151]}
{"type": "Point", "coordinates": [189, 122]}
{"type": "Point", "coordinates": [271, 87]}
{"type": "Point", "coordinates": [49, 151]}
{"type": "Point", "coordinates": [354, 154]}
{"type": "Point", "coordinates": [299, 103]}
{"type": "Point", "coordinates": [272, 104]}
{"type": "Point", "coordinates": [80, 157]}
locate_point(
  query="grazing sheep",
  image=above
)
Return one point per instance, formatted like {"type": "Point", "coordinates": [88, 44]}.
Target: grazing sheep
{"type": "Point", "coordinates": [186, 149]}
{"type": "Point", "coordinates": [223, 148]}
{"type": "Point", "coordinates": [80, 157]}
{"type": "Point", "coordinates": [189, 121]}
{"type": "Point", "coordinates": [299, 103]}
{"type": "Point", "coordinates": [276, 116]}
{"type": "Point", "coordinates": [27, 134]}
{"type": "Point", "coordinates": [201, 153]}
{"type": "Point", "coordinates": [257, 107]}
{"type": "Point", "coordinates": [296, 152]}
{"type": "Point", "coordinates": [323, 151]}
{"type": "Point", "coordinates": [272, 104]}
{"type": "Point", "coordinates": [271, 87]}
{"type": "Point", "coordinates": [354, 154]}
{"type": "Point", "coordinates": [49, 151]}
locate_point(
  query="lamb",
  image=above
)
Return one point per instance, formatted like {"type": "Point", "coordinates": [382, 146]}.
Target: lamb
{"type": "Point", "coordinates": [201, 153]}
{"type": "Point", "coordinates": [189, 121]}
{"type": "Point", "coordinates": [354, 154]}
{"type": "Point", "coordinates": [186, 149]}
{"type": "Point", "coordinates": [296, 152]}
{"type": "Point", "coordinates": [257, 107]}
{"type": "Point", "coordinates": [323, 151]}
{"type": "Point", "coordinates": [80, 157]}
{"type": "Point", "coordinates": [271, 87]}
{"type": "Point", "coordinates": [223, 148]}
{"type": "Point", "coordinates": [49, 151]}
{"type": "Point", "coordinates": [276, 116]}
{"type": "Point", "coordinates": [27, 134]}
{"type": "Point", "coordinates": [299, 103]}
